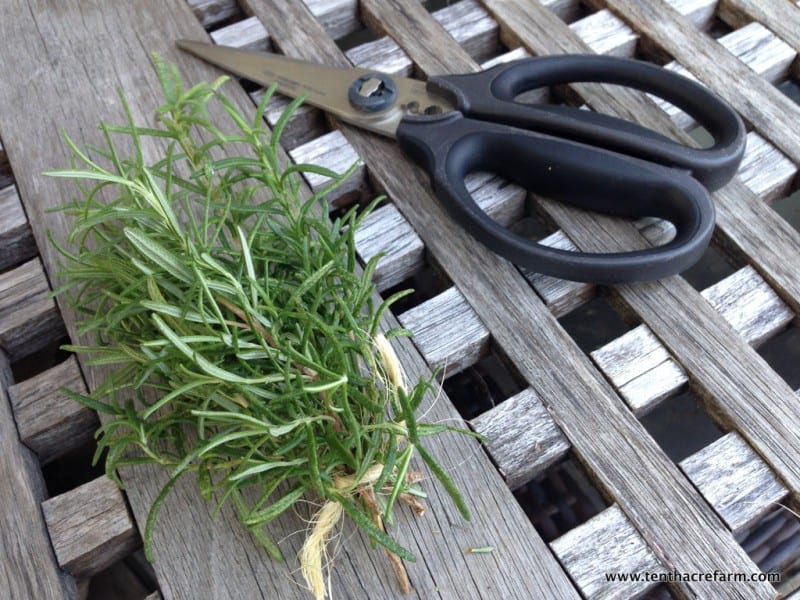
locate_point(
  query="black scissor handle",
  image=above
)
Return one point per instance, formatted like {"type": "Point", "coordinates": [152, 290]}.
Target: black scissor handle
{"type": "Point", "coordinates": [451, 146]}
{"type": "Point", "coordinates": [489, 96]}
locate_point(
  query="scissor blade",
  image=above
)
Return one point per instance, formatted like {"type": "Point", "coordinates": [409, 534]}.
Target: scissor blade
{"type": "Point", "coordinates": [325, 87]}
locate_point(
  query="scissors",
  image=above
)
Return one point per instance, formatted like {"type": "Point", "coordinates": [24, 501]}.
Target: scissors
{"type": "Point", "coordinates": [453, 125]}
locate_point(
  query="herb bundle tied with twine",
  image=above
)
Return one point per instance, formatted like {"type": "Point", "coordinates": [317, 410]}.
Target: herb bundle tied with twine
{"type": "Point", "coordinates": [240, 337]}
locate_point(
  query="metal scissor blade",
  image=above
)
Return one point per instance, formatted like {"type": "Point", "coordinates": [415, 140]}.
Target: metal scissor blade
{"type": "Point", "coordinates": [325, 87]}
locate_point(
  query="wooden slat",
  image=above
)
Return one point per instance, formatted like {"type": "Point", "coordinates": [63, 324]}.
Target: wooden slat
{"type": "Point", "coordinates": [112, 45]}
{"type": "Point", "coordinates": [49, 422]}
{"type": "Point", "coordinates": [607, 34]}
{"type": "Point", "coordinates": [248, 34]}
{"type": "Point", "coordinates": [16, 239]}
{"type": "Point", "coordinates": [29, 320]}
{"type": "Point", "coordinates": [780, 16]}
{"type": "Point", "coordinates": [213, 12]}
{"type": "Point", "coordinates": [333, 152]}
{"type": "Point", "coordinates": [765, 170]}
{"type": "Point", "coordinates": [607, 543]}
{"type": "Point", "coordinates": [90, 527]}
{"type": "Point", "coordinates": [338, 17]}
{"type": "Point", "coordinates": [525, 330]}
{"type": "Point", "coordinates": [28, 567]}
{"type": "Point", "coordinates": [522, 438]}
{"type": "Point", "coordinates": [386, 231]}
{"type": "Point", "coordinates": [645, 373]}
{"type": "Point", "coordinates": [735, 481]}
{"type": "Point", "coordinates": [447, 332]}
{"type": "Point", "coordinates": [472, 27]}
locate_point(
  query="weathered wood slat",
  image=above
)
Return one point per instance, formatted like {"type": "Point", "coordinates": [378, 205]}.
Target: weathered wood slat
{"type": "Point", "coordinates": [447, 331]}
{"type": "Point", "coordinates": [213, 12]}
{"type": "Point", "coordinates": [28, 567]}
{"type": "Point", "coordinates": [16, 239]}
{"type": "Point", "coordinates": [333, 152]}
{"type": "Point", "coordinates": [605, 33]}
{"type": "Point", "coordinates": [110, 45]}
{"type": "Point", "coordinates": [29, 320]}
{"type": "Point", "coordinates": [645, 373]}
{"type": "Point", "coordinates": [49, 422]}
{"type": "Point", "coordinates": [765, 170]}
{"type": "Point", "coordinates": [90, 527]}
{"type": "Point", "coordinates": [522, 438]}
{"type": "Point", "coordinates": [737, 381]}
{"type": "Point", "coordinates": [386, 231]}
{"type": "Point", "coordinates": [780, 16]}
{"type": "Point", "coordinates": [472, 27]}
{"type": "Point", "coordinates": [527, 332]}
{"type": "Point", "coordinates": [607, 543]}
{"type": "Point", "coordinates": [735, 481]}
{"type": "Point", "coordinates": [248, 33]}
{"type": "Point", "coordinates": [338, 17]}
{"type": "Point", "coordinates": [699, 12]}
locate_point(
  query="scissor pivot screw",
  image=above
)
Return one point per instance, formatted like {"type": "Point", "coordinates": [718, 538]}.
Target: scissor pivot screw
{"type": "Point", "coordinates": [372, 92]}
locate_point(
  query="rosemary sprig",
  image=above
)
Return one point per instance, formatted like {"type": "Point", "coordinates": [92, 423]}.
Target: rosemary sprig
{"type": "Point", "coordinates": [244, 338]}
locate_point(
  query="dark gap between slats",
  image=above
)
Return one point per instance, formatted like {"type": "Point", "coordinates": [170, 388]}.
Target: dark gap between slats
{"type": "Point", "coordinates": [773, 543]}
{"type": "Point", "coordinates": [574, 11]}
{"type": "Point", "coordinates": [782, 353]}
{"type": "Point", "coordinates": [594, 324]}
{"type": "Point", "coordinates": [357, 38]}
{"type": "Point", "coordinates": [681, 426]}
{"type": "Point", "coordinates": [40, 361]}
{"type": "Point", "coordinates": [560, 499]}
{"type": "Point", "coordinates": [789, 208]}
{"type": "Point", "coordinates": [791, 88]}
{"type": "Point", "coordinates": [484, 385]}
{"type": "Point", "coordinates": [661, 592]}
{"type": "Point", "coordinates": [713, 266]}
{"type": "Point", "coordinates": [719, 28]}
{"type": "Point", "coordinates": [72, 469]}
{"type": "Point", "coordinates": [123, 580]}
{"type": "Point", "coordinates": [427, 282]}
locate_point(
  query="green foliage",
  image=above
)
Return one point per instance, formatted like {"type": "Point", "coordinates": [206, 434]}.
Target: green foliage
{"type": "Point", "coordinates": [239, 330]}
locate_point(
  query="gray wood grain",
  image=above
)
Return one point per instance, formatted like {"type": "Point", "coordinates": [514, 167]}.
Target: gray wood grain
{"type": "Point", "coordinates": [525, 329]}
{"type": "Point", "coordinates": [248, 33]}
{"type": "Point", "coordinates": [645, 373]}
{"type": "Point", "coordinates": [386, 231]}
{"type": "Point", "coordinates": [522, 438]}
{"type": "Point", "coordinates": [780, 16]}
{"type": "Point", "coordinates": [607, 543]}
{"type": "Point", "coordinates": [447, 331]}
{"type": "Point", "coordinates": [16, 239]}
{"type": "Point", "coordinates": [735, 480]}
{"type": "Point", "coordinates": [29, 320]}
{"type": "Point", "coordinates": [28, 567]}
{"type": "Point", "coordinates": [90, 527]}
{"type": "Point", "coordinates": [103, 47]}
{"type": "Point", "coordinates": [49, 422]}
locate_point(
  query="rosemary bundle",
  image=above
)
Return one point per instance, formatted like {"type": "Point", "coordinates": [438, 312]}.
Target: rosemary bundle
{"type": "Point", "coordinates": [243, 335]}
